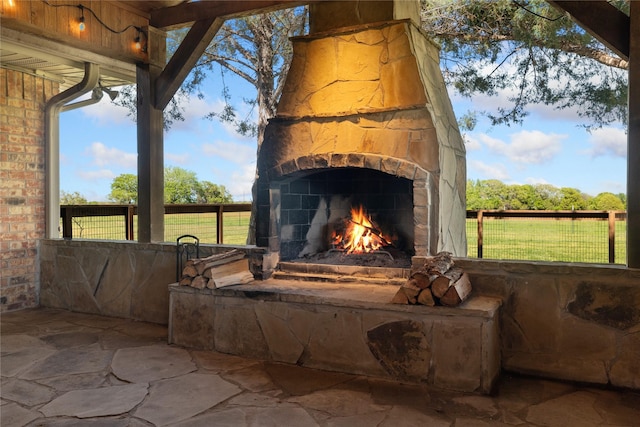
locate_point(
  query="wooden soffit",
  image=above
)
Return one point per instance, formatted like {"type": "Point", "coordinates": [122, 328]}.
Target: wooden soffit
{"type": "Point", "coordinates": [603, 21]}
{"type": "Point", "coordinates": [186, 13]}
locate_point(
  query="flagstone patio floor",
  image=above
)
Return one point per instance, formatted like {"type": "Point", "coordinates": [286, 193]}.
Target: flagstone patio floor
{"type": "Point", "coordinates": [68, 369]}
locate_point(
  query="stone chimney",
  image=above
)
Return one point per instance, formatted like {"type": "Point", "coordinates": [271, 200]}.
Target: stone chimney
{"type": "Point", "coordinates": [365, 115]}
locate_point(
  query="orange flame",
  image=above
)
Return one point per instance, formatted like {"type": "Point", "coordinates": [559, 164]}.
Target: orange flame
{"type": "Point", "coordinates": [361, 234]}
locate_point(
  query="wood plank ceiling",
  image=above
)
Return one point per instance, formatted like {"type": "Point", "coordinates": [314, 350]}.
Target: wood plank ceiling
{"type": "Point", "coordinates": [601, 19]}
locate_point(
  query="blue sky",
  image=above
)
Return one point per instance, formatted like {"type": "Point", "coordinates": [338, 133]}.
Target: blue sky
{"type": "Point", "coordinates": [98, 143]}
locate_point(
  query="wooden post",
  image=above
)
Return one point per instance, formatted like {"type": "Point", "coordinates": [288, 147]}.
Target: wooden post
{"type": "Point", "coordinates": [612, 237]}
{"type": "Point", "coordinates": [219, 212]}
{"type": "Point", "coordinates": [480, 237]}
{"type": "Point", "coordinates": [129, 222]}
{"type": "Point", "coordinates": [633, 141]}
{"type": "Point", "coordinates": [67, 222]}
{"type": "Point", "coordinates": [150, 158]}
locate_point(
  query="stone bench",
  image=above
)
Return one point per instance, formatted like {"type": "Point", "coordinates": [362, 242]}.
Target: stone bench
{"type": "Point", "coordinates": [344, 327]}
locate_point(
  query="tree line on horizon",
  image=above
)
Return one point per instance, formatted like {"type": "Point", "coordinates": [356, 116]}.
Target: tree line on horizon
{"type": "Point", "coordinates": [494, 194]}
{"type": "Point", "coordinates": [183, 187]}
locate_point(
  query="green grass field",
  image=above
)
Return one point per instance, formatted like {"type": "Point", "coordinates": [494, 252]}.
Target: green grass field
{"type": "Point", "coordinates": [203, 226]}
{"type": "Point", "coordinates": [547, 240]}
{"type": "Point", "coordinates": [513, 239]}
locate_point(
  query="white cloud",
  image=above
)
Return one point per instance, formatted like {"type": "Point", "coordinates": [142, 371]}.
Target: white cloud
{"type": "Point", "coordinates": [241, 182]}
{"type": "Point", "coordinates": [95, 175]}
{"type": "Point", "coordinates": [610, 187]}
{"type": "Point", "coordinates": [105, 156]}
{"type": "Point", "coordinates": [533, 147]}
{"type": "Point", "coordinates": [496, 171]}
{"type": "Point", "coordinates": [534, 181]}
{"type": "Point", "coordinates": [471, 143]}
{"type": "Point", "coordinates": [181, 159]}
{"type": "Point", "coordinates": [106, 112]}
{"type": "Point", "coordinates": [608, 141]}
{"type": "Point", "coordinates": [231, 151]}
{"type": "Point", "coordinates": [194, 110]}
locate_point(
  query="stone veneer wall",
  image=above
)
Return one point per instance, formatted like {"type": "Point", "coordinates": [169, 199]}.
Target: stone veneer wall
{"type": "Point", "coordinates": [22, 185]}
{"type": "Point", "coordinates": [120, 279]}
{"type": "Point", "coordinates": [574, 322]}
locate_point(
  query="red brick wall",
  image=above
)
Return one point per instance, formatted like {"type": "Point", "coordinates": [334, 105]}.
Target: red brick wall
{"type": "Point", "coordinates": [22, 185]}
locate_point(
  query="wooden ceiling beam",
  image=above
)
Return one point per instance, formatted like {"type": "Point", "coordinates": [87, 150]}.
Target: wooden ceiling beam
{"type": "Point", "coordinates": [184, 59]}
{"type": "Point", "coordinates": [186, 13]}
{"type": "Point", "coordinates": [602, 20]}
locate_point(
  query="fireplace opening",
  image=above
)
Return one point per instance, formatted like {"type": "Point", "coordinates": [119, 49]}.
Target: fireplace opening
{"type": "Point", "coordinates": [317, 211]}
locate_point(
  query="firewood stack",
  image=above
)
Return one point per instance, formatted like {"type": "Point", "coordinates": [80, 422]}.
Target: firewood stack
{"type": "Point", "coordinates": [217, 271]}
{"type": "Point", "coordinates": [437, 282]}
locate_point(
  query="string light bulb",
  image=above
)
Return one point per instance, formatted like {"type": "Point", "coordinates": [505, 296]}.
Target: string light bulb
{"type": "Point", "coordinates": [81, 25]}
{"type": "Point", "coordinates": [139, 44]}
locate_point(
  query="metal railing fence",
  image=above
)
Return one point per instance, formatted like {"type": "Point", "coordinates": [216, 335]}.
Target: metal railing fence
{"type": "Point", "coordinates": [566, 236]}
{"type": "Point", "coordinates": [212, 223]}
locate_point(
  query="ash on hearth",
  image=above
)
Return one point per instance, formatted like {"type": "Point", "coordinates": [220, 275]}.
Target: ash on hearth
{"type": "Point", "coordinates": [389, 258]}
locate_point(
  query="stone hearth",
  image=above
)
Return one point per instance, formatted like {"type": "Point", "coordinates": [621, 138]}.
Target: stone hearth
{"type": "Point", "coordinates": [343, 327]}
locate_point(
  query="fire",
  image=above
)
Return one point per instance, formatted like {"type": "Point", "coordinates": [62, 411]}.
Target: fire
{"type": "Point", "coordinates": [361, 235]}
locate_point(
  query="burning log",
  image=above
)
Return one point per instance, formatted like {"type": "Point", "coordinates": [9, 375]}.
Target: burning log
{"type": "Point", "coordinates": [360, 234]}
{"type": "Point", "coordinates": [217, 271]}
{"type": "Point", "coordinates": [438, 282]}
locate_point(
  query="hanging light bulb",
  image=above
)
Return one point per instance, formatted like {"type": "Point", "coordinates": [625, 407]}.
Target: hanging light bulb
{"type": "Point", "coordinates": [81, 25]}
{"type": "Point", "coordinates": [139, 44]}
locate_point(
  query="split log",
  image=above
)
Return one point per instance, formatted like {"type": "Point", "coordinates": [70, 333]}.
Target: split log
{"type": "Point", "coordinates": [420, 279]}
{"type": "Point", "coordinates": [440, 286]}
{"type": "Point", "coordinates": [400, 298]}
{"type": "Point", "coordinates": [407, 293]}
{"type": "Point", "coordinates": [440, 263]}
{"type": "Point", "coordinates": [199, 282]}
{"type": "Point", "coordinates": [454, 273]}
{"type": "Point", "coordinates": [458, 292]}
{"type": "Point", "coordinates": [189, 270]}
{"type": "Point", "coordinates": [214, 260]}
{"type": "Point", "coordinates": [411, 291]}
{"type": "Point", "coordinates": [240, 278]}
{"type": "Point", "coordinates": [426, 298]}
{"type": "Point", "coordinates": [437, 282]}
{"type": "Point", "coordinates": [218, 270]}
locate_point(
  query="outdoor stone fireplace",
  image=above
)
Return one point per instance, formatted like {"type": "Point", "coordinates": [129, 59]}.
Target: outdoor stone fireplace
{"type": "Point", "coordinates": [364, 124]}
{"type": "Point", "coordinates": [364, 119]}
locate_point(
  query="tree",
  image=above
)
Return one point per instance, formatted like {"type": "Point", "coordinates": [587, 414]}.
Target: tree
{"type": "Point", "coordinates": [257, 49]}
{"type": "Point", "coordinates": [494, 194]}
{"type": "Point", "coordinates": [74, 198]}
{"type": "Point", "coordinates": [531, 50]}
{"type": "Point", "coordinates": [213, 193]}
{"type": "Point", "coordinates": [124, 189]}
{"type": "Point", "coordinates": [606, 202]}
{"type": "Point", "coordinates": [573, 199]}
{"type": "Point", "coordinates": [181, 186]}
